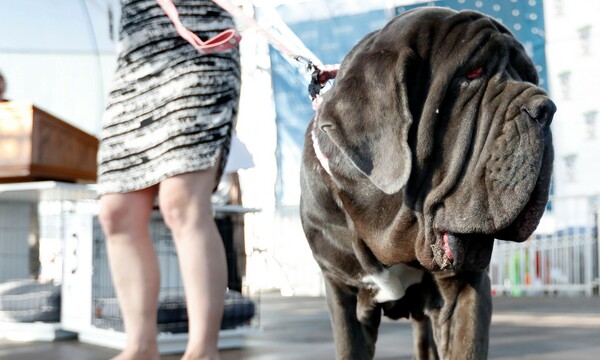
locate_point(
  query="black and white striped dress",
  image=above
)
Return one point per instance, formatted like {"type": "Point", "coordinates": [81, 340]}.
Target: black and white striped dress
{"type": "Point", "coordinates": [170, 109]}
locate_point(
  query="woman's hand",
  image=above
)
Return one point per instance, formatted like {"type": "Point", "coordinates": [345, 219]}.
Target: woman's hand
{"type": "Point", "coordinates": [221, 42]}
{"type": "Point", "coordinates": [190, 37]}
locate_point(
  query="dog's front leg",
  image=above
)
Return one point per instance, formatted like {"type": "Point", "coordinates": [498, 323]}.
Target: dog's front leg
{"type": "Point", "coordinates": [461, 326]}
{"type": "Point", "coordinates": [423, 344]}
{"type": "Point", "coordinates": [354, 339]}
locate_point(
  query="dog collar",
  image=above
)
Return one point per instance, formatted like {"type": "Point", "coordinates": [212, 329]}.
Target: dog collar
{"type": "Point", "coordinates": [323, 159]}
{"type": "Point", "coordinates": [320, 76]}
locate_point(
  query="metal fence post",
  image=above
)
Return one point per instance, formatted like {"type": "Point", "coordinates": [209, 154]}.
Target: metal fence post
{"type": "Point", "coordinates": [597, 239]}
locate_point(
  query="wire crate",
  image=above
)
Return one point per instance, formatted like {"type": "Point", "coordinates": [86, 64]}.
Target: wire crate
{"type": "Point", "coordinates": [70, 256]}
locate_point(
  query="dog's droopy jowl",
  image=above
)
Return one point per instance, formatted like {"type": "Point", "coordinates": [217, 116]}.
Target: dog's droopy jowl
{"type": "Point", "coordinates": [438, 142]}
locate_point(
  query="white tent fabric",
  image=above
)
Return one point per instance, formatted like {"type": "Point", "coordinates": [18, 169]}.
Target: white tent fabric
{"type": "Point", "coordinates": [57, 25]}
{"type": "Point", "coordinates": [60, 55]}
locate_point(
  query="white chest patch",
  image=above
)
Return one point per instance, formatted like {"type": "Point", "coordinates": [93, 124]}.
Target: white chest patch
{"type": "Point", "coordinates": [391, 283]}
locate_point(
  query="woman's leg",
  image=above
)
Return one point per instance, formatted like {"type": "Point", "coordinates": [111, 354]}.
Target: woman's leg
{"type": "Point", "coordinates": [134, 268]}
{"type": "Point", "coordinates": [186, 206]}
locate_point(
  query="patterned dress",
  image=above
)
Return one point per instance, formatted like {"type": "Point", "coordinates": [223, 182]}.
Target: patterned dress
{"type": "Point", "coordinates": [170, 109]}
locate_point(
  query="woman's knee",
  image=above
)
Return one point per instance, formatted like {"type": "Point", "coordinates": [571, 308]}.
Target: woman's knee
{"type": "Point", "coordinates": [122, 213]}
{"type": "Point", "coordinates": [184, 200]}
{"type": "Point", "coordinates": [172, 211]}
{"type": "Point", "coordinates": [177, 211]}
{"type": "Point", "coordinates": [112, 217]}
{"type": "Point", "coordinates": [181, 211]}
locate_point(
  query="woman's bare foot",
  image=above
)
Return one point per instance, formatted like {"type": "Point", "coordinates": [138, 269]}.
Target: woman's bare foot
{"type": "Point", "coordinates": [138, 355]}
{"type": "Point", "coordinates": [189, 355]}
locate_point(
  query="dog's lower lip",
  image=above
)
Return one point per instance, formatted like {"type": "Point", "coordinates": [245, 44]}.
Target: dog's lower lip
{"type": "Point", "coordinates": [443, 250]}
{"type": "Point", "coordinates": [446, 246]}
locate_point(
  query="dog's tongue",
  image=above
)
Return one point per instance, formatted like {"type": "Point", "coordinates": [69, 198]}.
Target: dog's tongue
{"type": "Point", "coordinates": [451, 251]}
{"type": "Point", "coordinates": [446, 247]}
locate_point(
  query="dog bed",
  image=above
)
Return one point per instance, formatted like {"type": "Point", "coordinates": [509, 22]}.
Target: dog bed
{"type": "Point", "coordinates": [28, 300]}
{"type": "Point", "coordinates": [172, 313]}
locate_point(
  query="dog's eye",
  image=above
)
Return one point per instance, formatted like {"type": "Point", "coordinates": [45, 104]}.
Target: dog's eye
{"type": "Point", "coordinates": [474, 74]}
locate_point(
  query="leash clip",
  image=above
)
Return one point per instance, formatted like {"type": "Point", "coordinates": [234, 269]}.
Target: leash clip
{"type": "Point", "coordinates": [306, 61]}
{"type": "Point", "coordinates": [320, 75]}
{"type": "Point", "coordinates": [314, 87]}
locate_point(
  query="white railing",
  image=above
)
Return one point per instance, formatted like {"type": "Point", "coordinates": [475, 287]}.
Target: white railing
{"type": "Point", "coordinates": [561, 258]}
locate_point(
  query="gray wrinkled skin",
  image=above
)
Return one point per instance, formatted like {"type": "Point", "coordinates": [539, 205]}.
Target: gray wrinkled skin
{"type": "Point", "coordinates": [438, 141]}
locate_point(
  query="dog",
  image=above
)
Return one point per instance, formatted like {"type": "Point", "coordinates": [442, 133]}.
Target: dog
{"type": "Point", "coordinates": [433, 141]}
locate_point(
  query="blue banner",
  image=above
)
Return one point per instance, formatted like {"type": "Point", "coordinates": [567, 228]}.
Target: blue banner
{"type": "Point", "coordinates": [524, 18]}
{"type": "Point", "coordinates": [332, 38]}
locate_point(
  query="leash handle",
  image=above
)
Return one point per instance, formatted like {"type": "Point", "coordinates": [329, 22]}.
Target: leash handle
{"type": "Point", "coordinates": [221, 42]}
{"type": "Point", "coordinates": [271, 38]}
{"type": "Point", "coordinates": [251, 22]}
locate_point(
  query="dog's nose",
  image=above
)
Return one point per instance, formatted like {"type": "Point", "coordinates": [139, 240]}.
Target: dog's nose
{"type": "Point", "coordinates": [540, 110]}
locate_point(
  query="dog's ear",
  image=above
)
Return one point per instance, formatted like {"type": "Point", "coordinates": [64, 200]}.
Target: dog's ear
{"type": "Point", "coordinates": [366, 114]}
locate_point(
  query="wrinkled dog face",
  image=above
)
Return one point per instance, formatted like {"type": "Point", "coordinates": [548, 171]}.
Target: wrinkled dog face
{"type": "Point", "coordinates": [442, 110]}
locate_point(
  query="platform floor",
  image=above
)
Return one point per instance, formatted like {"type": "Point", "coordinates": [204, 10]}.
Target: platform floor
{"type": "Point", "coordinates": [297, 328]}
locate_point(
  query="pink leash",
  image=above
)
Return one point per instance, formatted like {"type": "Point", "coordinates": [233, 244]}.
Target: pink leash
{"type": "Point", "coordinates": [231, 38]}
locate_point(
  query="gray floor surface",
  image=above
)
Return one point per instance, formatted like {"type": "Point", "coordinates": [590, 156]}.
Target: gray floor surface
{"type": "Point", "coordinates": [297, 328]}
